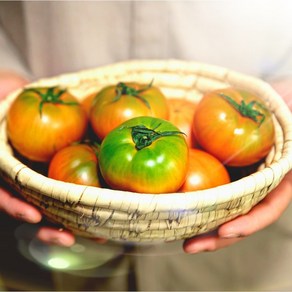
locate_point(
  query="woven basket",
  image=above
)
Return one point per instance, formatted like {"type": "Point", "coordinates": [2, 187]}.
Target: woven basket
{"type": "Point", "coordinates": [119, 215]}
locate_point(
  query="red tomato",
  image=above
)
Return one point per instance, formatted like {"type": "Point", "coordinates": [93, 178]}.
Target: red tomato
{"type": "Point", "coordinates": [181, 114]}
{"type": "Point", "coordinates": [115, 104]}
{"type": "Point", "coordinates": [235, 126]}
{"type": "Point", "coordinates": [77, 164]}
{"type": "Point", "coordinates": [204, 171]}
{"type": "Point", "coordinates": [43, 120]}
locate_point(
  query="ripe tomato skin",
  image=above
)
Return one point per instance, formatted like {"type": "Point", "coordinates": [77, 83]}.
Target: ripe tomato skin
{"type": "Point", "coordinates": [87, 102]}
{"type": "Point", "coordinates": [181, 114]}
{"type": "Point", "coordinates": [204, 172]}
{"type": "Point", "coordinates": [107, 111]}
{"type": "Point", "coordinates": [235, 139]}
{"type": "Point", "coordinates": [36, 131]}
{"type": "Point", "coordinates": [158, 168]}
{"type": "Point", "coordinates": [76, 163]}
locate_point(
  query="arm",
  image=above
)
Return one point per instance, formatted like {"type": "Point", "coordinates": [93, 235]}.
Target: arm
{"type": "Point", "coordinates": [261, 216]}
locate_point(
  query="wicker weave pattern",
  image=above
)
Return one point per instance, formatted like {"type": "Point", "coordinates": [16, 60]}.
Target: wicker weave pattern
{"type": "Point", "coordinates": [95, 212]}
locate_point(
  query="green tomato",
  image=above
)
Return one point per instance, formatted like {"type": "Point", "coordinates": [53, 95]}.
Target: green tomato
{"type": "Point", "coordinates": [145, 155]}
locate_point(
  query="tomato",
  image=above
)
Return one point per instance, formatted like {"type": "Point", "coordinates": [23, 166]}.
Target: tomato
{"type": "Point", "coordinates": [115, 104]}
{"type": "Point", "coordinates": [181, 114]}
{"type": "Point", "coordinates": [77, 163]}
{"type": "Point", "coordinates": [43, 120]}
{"type": "Point", "coordinates": [235, 126]}
{"type": "Point", "coordinates": [87, 102]}
{"type": "Point", "coordinates": [146, 155]}
{"type": "Point", "coordinates": [204, 171]}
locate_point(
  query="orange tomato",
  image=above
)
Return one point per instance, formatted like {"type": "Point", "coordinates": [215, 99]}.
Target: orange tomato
{"type": "Point", "coordinates": [235, 126]}
{"type": "Point", "coordinates": [204, 172]}
{"type": "Point", "coordinates": [116, 104]}
{"type": "Point", "coordinates": [76, 163]}
{"type": "Point", "coordinates": [41, 121]}
{"type": "Point", "coordinates": [181, 114]}
{"type": "Point", "coordinates": [87, 102]}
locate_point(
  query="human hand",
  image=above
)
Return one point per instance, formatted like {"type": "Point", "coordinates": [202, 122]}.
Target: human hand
{"type": "Point", "coordinates": [261, 216]}
{"type": "Point", "coordinates": [11, 204]}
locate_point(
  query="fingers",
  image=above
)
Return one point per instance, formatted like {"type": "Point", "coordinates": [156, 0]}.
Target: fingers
{"type": "Point", "coordinates": [207, 243]}
{"type": "Point", "coordinates": [262, 215]}
{"type": "Point", "coordinates": [21, 210]}
{"type": "Point", "coordinates": [55, 236]}
{"type": "Point", "coordinates": [17, 208]}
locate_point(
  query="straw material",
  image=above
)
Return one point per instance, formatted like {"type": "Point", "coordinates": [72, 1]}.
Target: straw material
{"type": "Point", "coordinates": [119, 215]}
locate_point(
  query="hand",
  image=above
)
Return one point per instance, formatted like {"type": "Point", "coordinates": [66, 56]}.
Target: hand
{"type": "Point", "coordinates": [9, 204]}
{"type": "Point", "coordinates": [261, 216]}
{"type": "Point", "coordinates": [14, 206]}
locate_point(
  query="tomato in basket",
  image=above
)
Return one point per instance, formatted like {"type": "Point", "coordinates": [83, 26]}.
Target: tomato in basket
{"type": "Point", "coordinates": [41, 121]}
{"type": "Point", "coordinates": [115, 104]}
{"type": "Point", "coordinates": [204, 172]}
{"type": "Point", "coordinates": [235, 126]}
{"type": "Point", "coordinates": [76, 163]}
{"type": "Point", "coordinates": [181, 114]}
{"type": "Point", "coordinates": [87, 102]}
{"type": "Point", "coordinates": [145, 155]}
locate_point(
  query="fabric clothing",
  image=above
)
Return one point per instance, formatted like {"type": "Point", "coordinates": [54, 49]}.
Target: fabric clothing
{"type": "Point", "coordinates": [52, 37]}
{"type": "Point", "coordinates": [46, 38]}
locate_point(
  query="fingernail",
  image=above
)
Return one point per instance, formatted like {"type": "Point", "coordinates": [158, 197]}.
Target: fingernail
{"type": "Point", "coordinates": [231, 235]}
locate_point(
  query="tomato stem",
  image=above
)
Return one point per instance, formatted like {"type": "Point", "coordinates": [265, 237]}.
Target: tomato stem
{"type": "Point", "coordinates": [122, 88]}
{"type": "Point", "coordinates": [246, 109]}
{"type": "Point", "coordinates": [143, 136]}
{"type": "Point", "coordinates": [50, 96]}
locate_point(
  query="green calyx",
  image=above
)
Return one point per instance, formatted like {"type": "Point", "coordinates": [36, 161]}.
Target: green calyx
{"type": "Point", "coordinates": [143, 136]}
{"type": "Point", "coordinates": [123, 89]}
{"type": "Point", "coordinates": [50, 95]}
{"type": "Point", "coordinates": [246, 109]}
